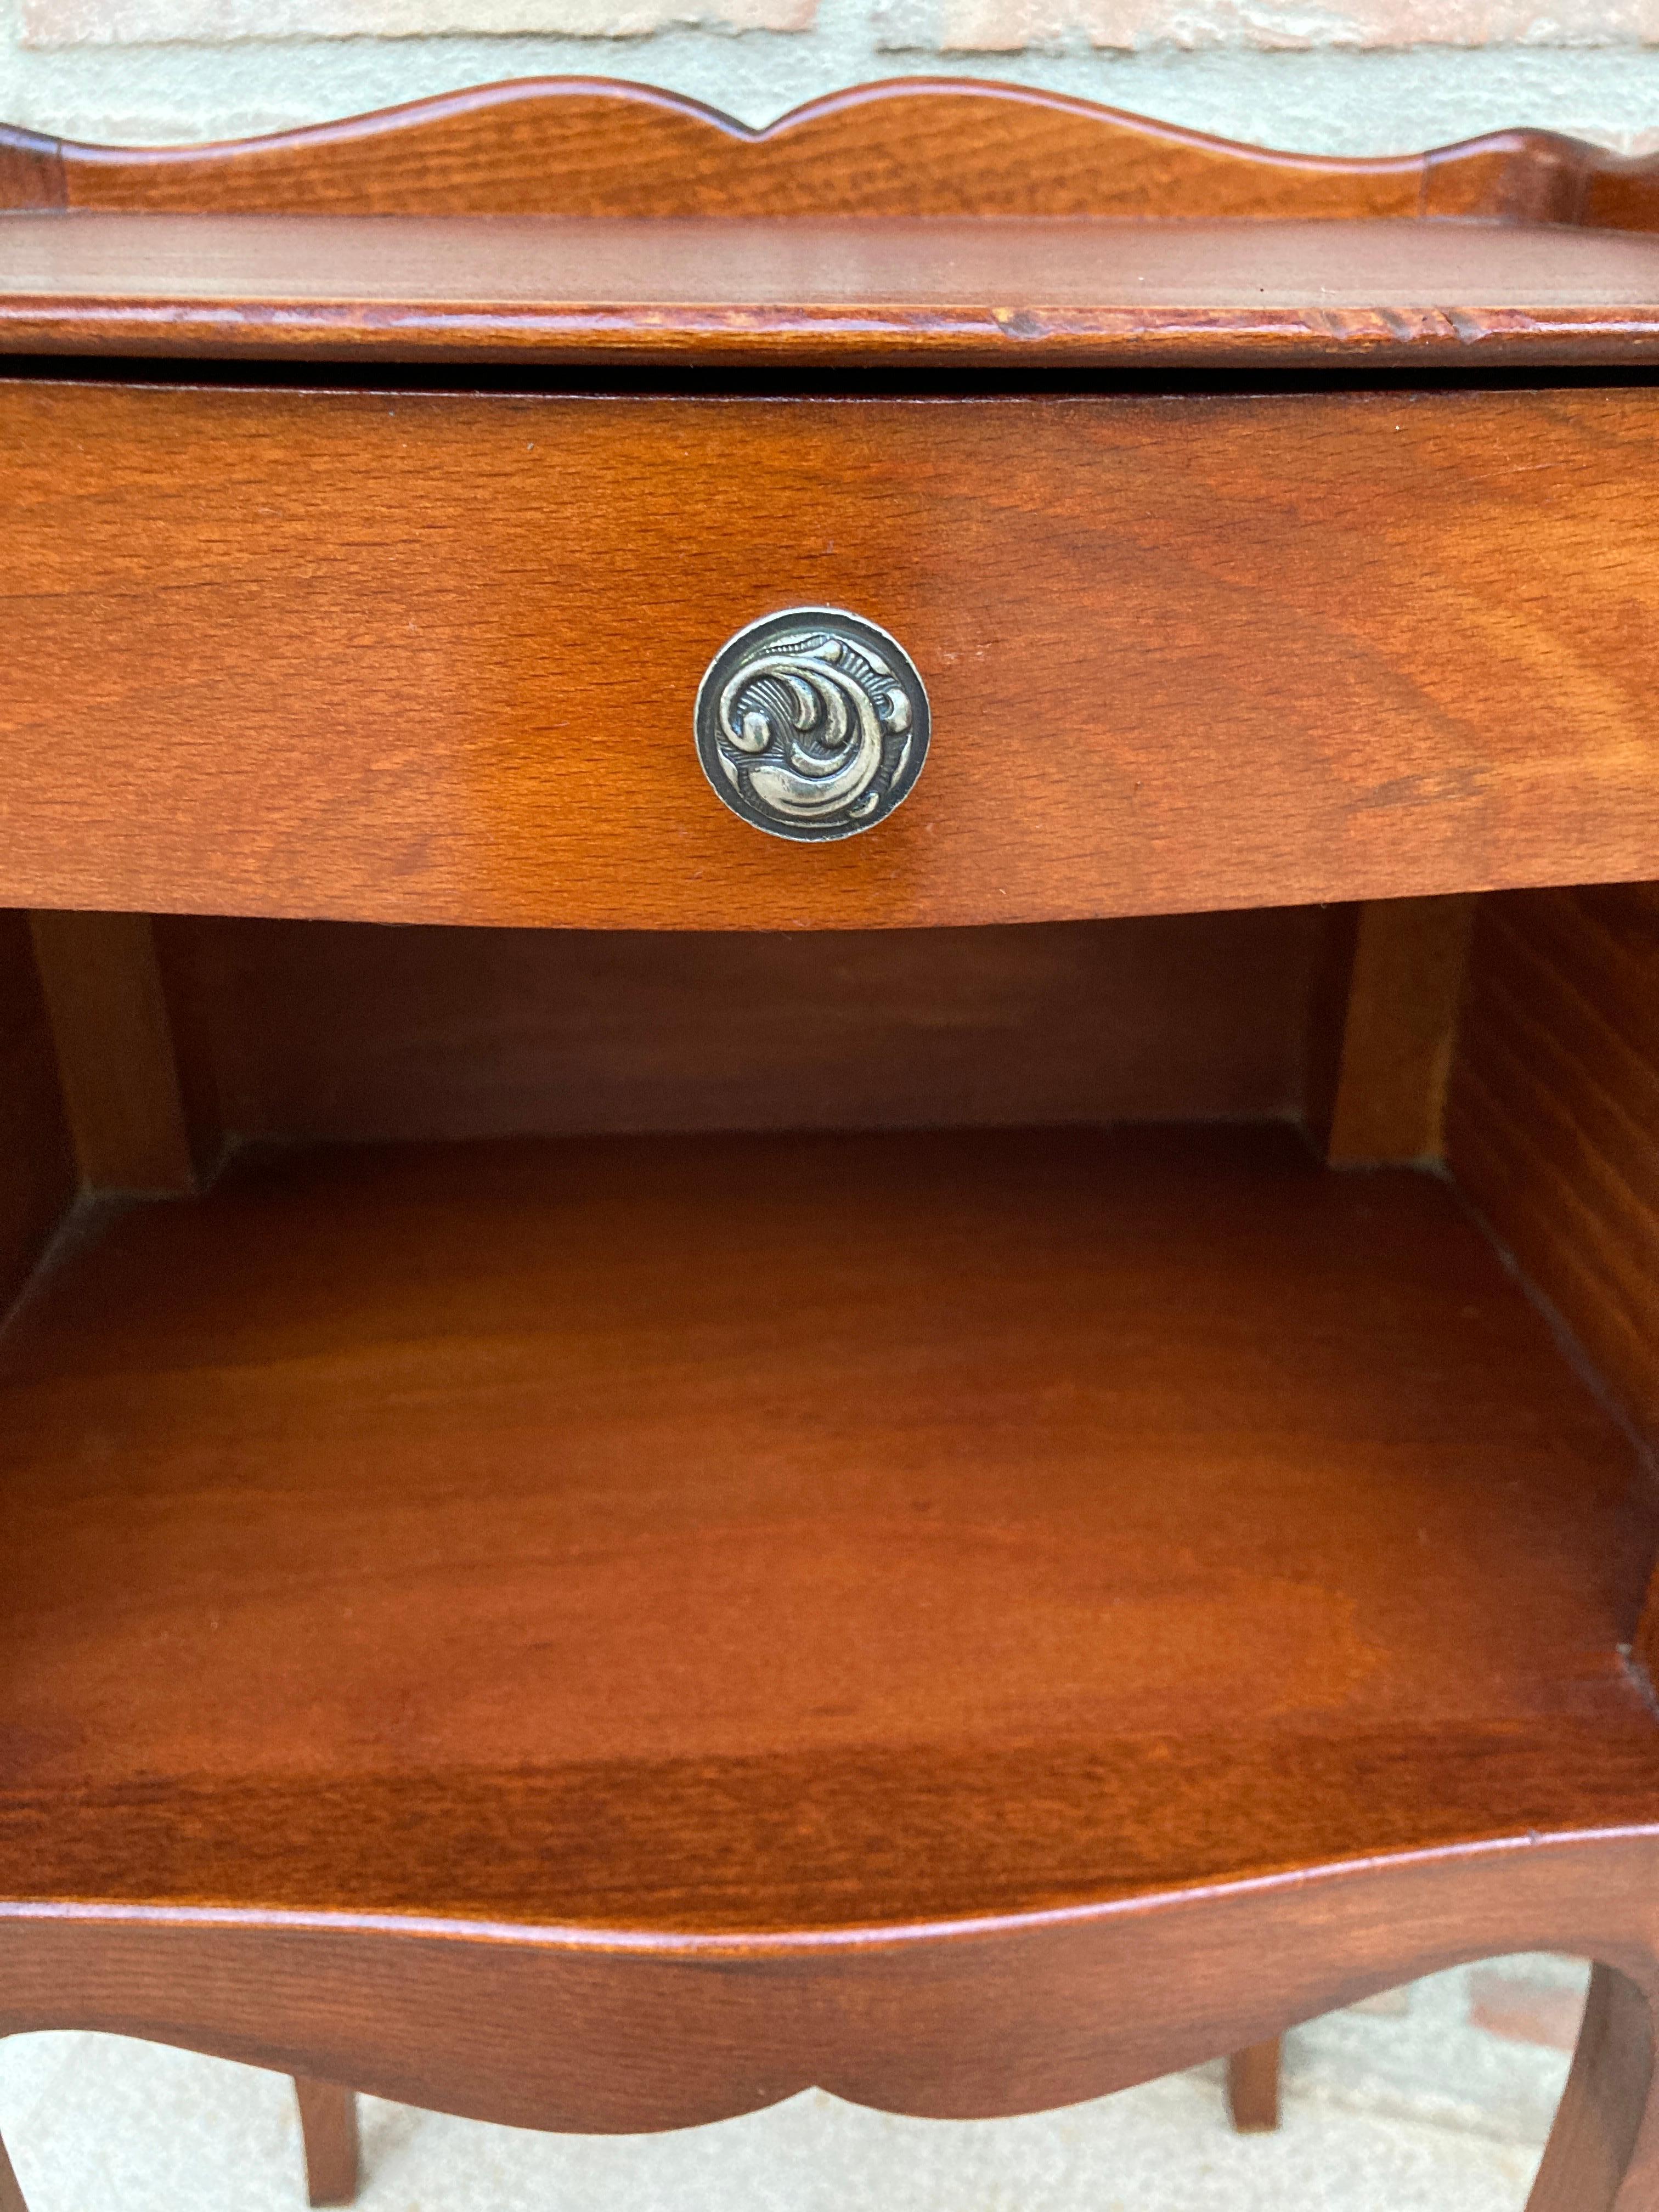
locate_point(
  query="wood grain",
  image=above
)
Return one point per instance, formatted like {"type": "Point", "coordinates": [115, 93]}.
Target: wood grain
{"type": "Point", "coordinates": [115, 1054]}
{"type": "Point", "coordinates": [1554, 1123]}
{"type": "Point", "coordinates": [1009, 293]}
{"type": "Point", "coordinates": [652, 1626]}
{"type": "Point", "coordinates": [919, 146]}
{"type": "Point", "coordinates": [1253, 2087]}
{"type": "Point", "coordinates": [36, 1163]}
{"type": "Point", "coordinates": [546, 2029]}
{"type": "Point", "coordinates": [31, 170]}
{"type": "Point", "coordinates": [323, 1396]}
{"type": "Point", "coordinates": [1554, 1126]}
{"type": "Point", "coordinates": [1399, 1027]}
{"type": "Point", "coordinates": [337, 1030]}
{"type": "Point", "coordinates": [1329, 992]}
{"type": "Point", "coordinates": [540, 219]}
{"type": "Point", "coordinates": [380, 653]}
{"type": "Point", "coordinates": [328, 2123]}
{"type": "Point", "coordinates": [767, 1534]}
{"type": "Point", "coordinates": [580, 146]}
{"type": "Point", "coordinates": [1607, 2124]}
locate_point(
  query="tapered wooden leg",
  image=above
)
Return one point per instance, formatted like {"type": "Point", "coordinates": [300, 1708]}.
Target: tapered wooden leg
{"type": "Point", "coordinates": [11, 2197]}
{"type": "Point", "coordinates": [1253, 2087]}
{"type": "Point", "coordinates": [1603, 2151]}
{"type": "Point", "coordinates": [328, 2121]}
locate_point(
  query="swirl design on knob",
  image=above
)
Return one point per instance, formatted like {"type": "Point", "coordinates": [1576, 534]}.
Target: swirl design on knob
{"type": "Point", "coordinates": [812, 724]}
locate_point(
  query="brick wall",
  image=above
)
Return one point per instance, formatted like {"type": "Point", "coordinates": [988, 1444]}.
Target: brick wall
{"type": "Point", "coordinates": [1337, 76]}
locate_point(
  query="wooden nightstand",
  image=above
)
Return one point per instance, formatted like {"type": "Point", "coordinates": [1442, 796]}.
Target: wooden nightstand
{"type": "Point", "coordinates": [713, 838]}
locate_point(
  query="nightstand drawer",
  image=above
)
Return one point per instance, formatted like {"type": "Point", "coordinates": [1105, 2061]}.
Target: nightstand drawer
{"type": "Point", "coordinates": [419, 656]}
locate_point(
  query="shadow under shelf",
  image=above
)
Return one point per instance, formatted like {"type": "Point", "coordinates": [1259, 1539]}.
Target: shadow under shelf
{"type": "Point", "coordinates": [746, 1534]}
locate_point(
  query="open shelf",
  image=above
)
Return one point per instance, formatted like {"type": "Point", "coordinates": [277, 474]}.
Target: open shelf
{"type": "Point", "coordinates": [760, 1533]}
{"type": "Point", "coordinates": [1010, 294]}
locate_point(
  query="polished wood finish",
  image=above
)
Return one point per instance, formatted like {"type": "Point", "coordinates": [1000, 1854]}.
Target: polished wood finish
{"type": "Point", "coordinates": [337, 1030]}
{"type": "Point", "coordinates": [11, 2197]}
{"type": "Point", "coordinates": [328, 2123]}
{"type": "Point", "coordinates": [1603, 2151]}
{"type": "Point", "coordinates": [1253, 2087]}
{"type": "Point", "coordinates": [549, 220]}
{"type": "Point", "coordinates": [1400, 1022]}
{"type": "Point", "coordinates": [361, 1409]}
{"type": "Point", "coordinates": [543, 2028]}
{"type": "Point", "coordinates": [914, 147]}
{"type": "Point", "coordinates": [37, 1161]}
{"type": "Point", "coordinates": [31, 170]}
{"type": "Point", "coordinates": [1328, 997]}
{"type": "Point", "coordinates": [605, 1633]}
{"type": "Point", "coordinates": [1554, 1129]}
{"type": "Point", "coordinates": [379, 653]}
{"type": "Point", "coordinates": [764, 1501]}
{"type": "Point", "coordinates": [594, 147]}
{"type": "Point", "coordinates": [115, 1053]}
{"type": "Point", "coordinates": [1012, 296]}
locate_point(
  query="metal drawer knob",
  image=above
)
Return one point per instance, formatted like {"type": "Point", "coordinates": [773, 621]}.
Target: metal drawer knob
{"type": "Point", "coordinates": [812, 724]}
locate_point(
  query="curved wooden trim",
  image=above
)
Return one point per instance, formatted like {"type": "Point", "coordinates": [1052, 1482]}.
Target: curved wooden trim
{"type": "Point", "coordinates": [1601, 2156]}
{"type": "Point", "coordinates": [546, 2030]}
{"type": "Point", "coordinates": [590, 146]}
{"type": "Point", "coordinates": [916, 146]}
{"type": "Point", "coordinates": [1603, 2151]}
{"type": "Point", "coordinates": [827, 245]}
{"type": "Point", "coordinates": [31, 170]}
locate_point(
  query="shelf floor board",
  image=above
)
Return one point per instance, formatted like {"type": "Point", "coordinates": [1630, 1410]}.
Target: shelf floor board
{"type": "Point", "coordinates": [759, 1534]}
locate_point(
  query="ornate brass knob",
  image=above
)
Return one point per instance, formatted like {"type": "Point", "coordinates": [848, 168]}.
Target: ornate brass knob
{"type": "Point", "coordinates": [812, 724]}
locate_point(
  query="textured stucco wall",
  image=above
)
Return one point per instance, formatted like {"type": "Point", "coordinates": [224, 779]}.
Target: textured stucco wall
{"type": "Point", "coordinates": [1336, 76]}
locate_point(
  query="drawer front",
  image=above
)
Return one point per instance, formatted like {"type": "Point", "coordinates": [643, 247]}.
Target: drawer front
{"type": "Point", "coordinates": [434, 656]}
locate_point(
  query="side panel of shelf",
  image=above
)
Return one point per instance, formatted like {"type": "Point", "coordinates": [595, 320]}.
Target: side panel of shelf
{"type": "Point", "coordinates": [1384, 1011]}
{"type": "Point", "coordinates": [1552, 1124]}
{"type": "Point", "coordinates": [127, 1108]}
{"type": "Point", "coordinates": [36, 1161]}
{"type": "Point", "coordinates": [1553, 1114]}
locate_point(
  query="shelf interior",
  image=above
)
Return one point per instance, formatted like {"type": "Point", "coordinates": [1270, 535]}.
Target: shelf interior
{"type": "Point", "coordinates": [767, 1532]}
{"type": "Point", "coordinates": [1155, 292]}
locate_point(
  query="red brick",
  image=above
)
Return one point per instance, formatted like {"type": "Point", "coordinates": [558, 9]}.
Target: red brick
{"type": "Point", "coordinates": [127, 22]}
{"type": "Point", "coordinates": [1523, 2010]}
{"type": "Point", "coordinates": [1008, 26]}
